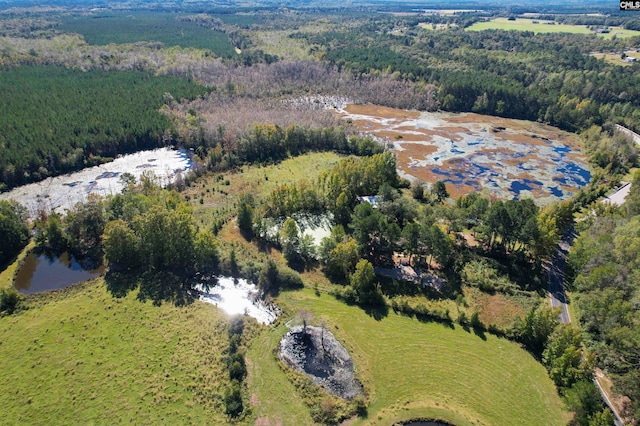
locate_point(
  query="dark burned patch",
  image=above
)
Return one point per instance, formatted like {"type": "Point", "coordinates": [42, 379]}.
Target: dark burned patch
{"type": "Point", "coordinates": [316, 352]}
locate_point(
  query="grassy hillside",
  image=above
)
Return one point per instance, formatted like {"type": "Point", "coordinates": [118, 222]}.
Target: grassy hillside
{"type": "Point", "coordinates": [82, 357]}
{"type": "Point", "coordinates": [412, 369]}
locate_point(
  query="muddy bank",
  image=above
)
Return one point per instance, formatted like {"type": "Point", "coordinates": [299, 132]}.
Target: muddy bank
{"type": "Point", "coordinates": [316, 352]}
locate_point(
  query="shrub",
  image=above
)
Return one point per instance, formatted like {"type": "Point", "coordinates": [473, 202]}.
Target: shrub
{"type": "Point", "coordinates": [9, 302]}
{"type": "Point", "coordinates": [233, 400]}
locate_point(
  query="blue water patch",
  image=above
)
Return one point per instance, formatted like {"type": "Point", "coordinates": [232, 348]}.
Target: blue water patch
{"type": "Point", "coordinates": [556, 191]}
{"type": "Point", "coordinates": [517, 186]}
{"type": "Point", "coordinates": [560, 180]}
{"type": "Point", "coordinates": [440, 172]}
{"type": "Point", "coordinates": [524, 185]}
{"type": "Point", "coordinates": [572, 169]}
{"type": "Point", "coordinates": [456, 151]}
{"type": "Point", "coordinates": [562, 149]}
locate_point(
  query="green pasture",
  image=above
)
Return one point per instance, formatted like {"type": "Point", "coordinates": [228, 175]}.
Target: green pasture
{"type": "Point", "coordinates": [412, 369]}
{"type": "Point", "coordinates": [80, 356]}
{"type": "Point", "coordinates": [221, 191]}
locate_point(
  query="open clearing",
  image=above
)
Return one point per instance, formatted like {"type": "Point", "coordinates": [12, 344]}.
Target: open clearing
{"type": "Point", "coordinates": [546, 27]}
{"type": "Point", "coordinates": [79, 356]}
{"type": "Point", "coordinates": [221, 191]}
{"type": "Point", "coordinates": [441, 372]}
{"type": "Point", "coordinates": [615, 59]}
{"type": "Point", "coordinates": [79, 352]}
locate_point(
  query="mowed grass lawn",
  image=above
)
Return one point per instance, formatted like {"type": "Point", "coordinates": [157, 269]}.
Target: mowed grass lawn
{"type": "Point", "coordinates": [414, 370]}
{"type": "Point", "coordinates": [81, 356]}
{"type": "Point", "coordinates": [541, 27]}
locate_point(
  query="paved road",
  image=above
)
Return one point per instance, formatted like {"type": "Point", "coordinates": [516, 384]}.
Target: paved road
{"type": "Point", "coordinates": [559, 298]}
{"type": "Point", "coordinates": [556, 276]}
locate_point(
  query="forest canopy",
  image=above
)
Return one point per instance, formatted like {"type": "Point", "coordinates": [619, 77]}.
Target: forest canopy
{"type": "Point", "coordinates": [55, 120]}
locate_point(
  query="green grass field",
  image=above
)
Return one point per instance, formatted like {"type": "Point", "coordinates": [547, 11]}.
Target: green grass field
{"type": "Point", "coordinates": [541, 27]}
{"type": "Point", "coordinates": [82, 357]}
{"type": "Point", "coordinates": [615, 59]}
{"type": "Point", "coordinates": [412, 369]}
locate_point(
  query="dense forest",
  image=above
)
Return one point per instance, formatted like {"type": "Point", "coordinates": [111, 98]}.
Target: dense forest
{"type": "Point", "coordinates": [198, 31]}
{"type": "Point", "coordinates": [56, 120]}
{"type": "Point", "coordinates": [547, 77]}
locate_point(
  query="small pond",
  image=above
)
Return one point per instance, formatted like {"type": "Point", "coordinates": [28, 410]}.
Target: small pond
{"type": "Point", "coordinates": [424, 423]}
{"type": "Point", "coordinates": [237, 297]}
{"type": "Point", "coordinates": [42, 272]}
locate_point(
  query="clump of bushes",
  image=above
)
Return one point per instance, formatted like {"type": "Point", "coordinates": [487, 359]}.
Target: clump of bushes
{"type": "Point", "coordinates": [10, 302]}
{"type": "Point", "coordinates": [420, 311]}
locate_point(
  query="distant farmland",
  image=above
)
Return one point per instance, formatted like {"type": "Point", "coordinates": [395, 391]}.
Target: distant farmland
{"type": "Point", "coordinates": [546, 27]}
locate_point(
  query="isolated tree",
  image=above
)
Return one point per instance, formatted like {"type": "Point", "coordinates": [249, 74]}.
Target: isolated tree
{"type": "Point", "coordinates": [564, 358]}
{"type": "Point", "coordinates": [84, 225]}
{"type": "Point", "coordinates": [306, 317]}
{"type": "Point", "coordinates": [584, 399]}
{"type": "Point", "coordinates": [246, 206]}
{"type": "Point", "coordinates": [343, 259]}
{"type": "Point", "coordinates": [268, 277]}
{"type": "Point", "coordinates": [439, 191]}
{"type": "Point", "coordinates": [417, 190]}
{"type": "Point", "coordinates": [363, 282]}
{"type": "Point", "coordinates": [547, 236]}
{"type": "Point", "coordinates": [411, 235]}
{"type": "Point", "coordinates": [289, 236]}
{"type": "Point", "coordinates": [342, 211]}
{"type": "Point", "coordinates": [206, 252]}
{"type": "Point", "coordinates": [166, 239]}
{"type": "Point", "coordinates": [536, 327]}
